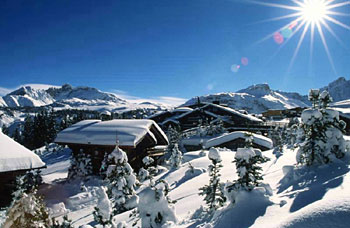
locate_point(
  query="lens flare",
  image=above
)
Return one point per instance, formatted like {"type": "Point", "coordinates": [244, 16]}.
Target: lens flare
{"type": "Point", "coordinates": [309, 16]}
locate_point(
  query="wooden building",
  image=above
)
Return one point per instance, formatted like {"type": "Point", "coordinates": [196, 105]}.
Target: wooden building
{"type": "Point", "coordinates": [137, 138]}
{"type": "Point", "coordinates": [237, 139]}
{"type": "Point", "coordinates": [190, 117]}
{"type": "Point", "coordinates": [15, 160]}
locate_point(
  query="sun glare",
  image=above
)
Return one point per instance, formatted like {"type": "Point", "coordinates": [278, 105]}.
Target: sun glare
{"type": "Point", "coordinates": [314, 11]}
{"type": "Point", "coordinates": [307, 17]}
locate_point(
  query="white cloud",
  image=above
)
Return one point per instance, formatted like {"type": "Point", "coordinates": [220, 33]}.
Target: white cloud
{"type": "Point", "coordinates": [4, 91]}
{"type": "Point", "coordinates": [166, 100]}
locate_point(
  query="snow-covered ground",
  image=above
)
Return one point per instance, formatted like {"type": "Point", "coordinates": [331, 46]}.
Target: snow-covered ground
{"type": "Point", "coordinates": [302, 197]}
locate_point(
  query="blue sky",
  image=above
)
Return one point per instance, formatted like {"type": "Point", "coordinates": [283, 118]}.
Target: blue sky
{"type": "Point", "coordinates": [154, 48]}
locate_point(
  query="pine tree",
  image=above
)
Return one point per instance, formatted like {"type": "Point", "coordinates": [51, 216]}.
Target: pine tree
{"type": "Point", "coordinates": [247, 165]}
{"type": "Point", "coordinates": [155, 207]}
{"type": "Point", "coordinates": [81, 166]}
{"type": "Point", "coordinates": [27, 208]}
{"type": "Point", "coordinates": [320, 133]}
{"type": "Point", "coordinates": [28, 132]}
{"type": "Point", "coordinates": [121, 182]}
{"type": "Point", "coordinates": [214, 196]}
{"type": "Point", "coordinates": [175, 159]}
{"type": "Point", "coordinates": [66, 223]}
{"type": "Point", "coordinates": [103, 211]}
{"type": "Point", "coordinates": [148, 171]}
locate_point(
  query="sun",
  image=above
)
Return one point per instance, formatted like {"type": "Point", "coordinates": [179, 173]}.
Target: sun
{"type": "Point", "coordinates": [308, 16]}
{"type": "Point", "coordinates": [314, 11]}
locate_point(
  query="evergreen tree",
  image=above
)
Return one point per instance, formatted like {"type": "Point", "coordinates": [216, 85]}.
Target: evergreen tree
{"type": "Point", "coordinates": [28, 130]}
{"type": "Point", "coordinates": [81, 166]}
{"type": "Point", "coordinates": [27, 208]}
{"type": "Point", "coordinates": [148, 171]}
{"type": "Point", "coordinates": [320, 133]}
{"type": "Point", "coordinates": [155, 207]}
{"type": "Point", "coordinates": [121, 182]}
{"type": "Point", "coordinates": [175, 159]}
{"type": "Point", "coordinates": [103, 211]}
{"type": "Point", "coordinates": [247, 165]}
{"type": "Point", "coordinates": [66, 223]}
{"type": "Point", "coordinates": [214, 196]}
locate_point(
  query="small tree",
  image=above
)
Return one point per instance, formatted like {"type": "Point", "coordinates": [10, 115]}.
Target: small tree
{"type": "Point", "coordinates": [320, 133]}
{"type": "Point", "coordinates": [155, 207]}
{"type": "Point", "coordinates": [247, 165]}
{"type": "Point", "coordinates": [214, 196]}
{"type": "Point", "coordinates": [175, 159]}
{"type": "Point", "coordinates": [81, 166]}
{"type": "Point", "coordinates": [148, 171]}
{"type": "Point", "coordinates": [103, 211]}
{"type": "Point", "coordinates": [121, 182]}
{"type": "Point", "coordinates": [27, 208]}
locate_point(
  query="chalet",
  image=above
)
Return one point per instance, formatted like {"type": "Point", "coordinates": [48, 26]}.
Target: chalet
{"type": "Point", "coordinates": [237, 139]}
{"type": "Point", "coordinates": [273, 114]}
{"type": "Point", "coordinates": [231, 141]}
{"type": "Point", "coordinates": [137, 138]}
{"type": "Point", "coordinates": [187, 117]}
{"type": "Point", "coordinates": [15, 160]}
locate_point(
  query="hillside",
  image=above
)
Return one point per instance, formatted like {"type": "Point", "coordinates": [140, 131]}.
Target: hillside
{"type": "Point", "coordinates": [301, 197]}
{"type": "Point", "coordinates": [68, 97]}
{"type": "Point", "coordinates": [255, 99]}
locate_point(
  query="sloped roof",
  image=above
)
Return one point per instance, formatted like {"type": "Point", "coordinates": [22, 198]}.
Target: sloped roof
{"type": "Point", "coordinates": [14, 156]}
{"type": "Point", "coordinates": [257, 139]}
{"type": "Point", "coordinates": [97, 132]}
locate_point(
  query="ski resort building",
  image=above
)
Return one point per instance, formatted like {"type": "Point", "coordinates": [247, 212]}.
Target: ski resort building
{"type": "Point", "coordinates": [138, 138]}
{"type": "Point", "coordinates": [230, 141]}
{"type": "Point", "coordinates": [189, 117]}
{"type": "Point", "coordinates": [15, 160]}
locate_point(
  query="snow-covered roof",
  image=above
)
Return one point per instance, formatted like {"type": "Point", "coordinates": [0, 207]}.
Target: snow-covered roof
{"type": "Point", "coordinates": [247, 116]}
{"type": "Point", "coordinates": [97, 132]}
{"type": "Point", "coordinates": [182, 109]}
{"type": "Point", "coordinates": [257, 139]}
{"type": "Point", "coordinates": [14, 156]}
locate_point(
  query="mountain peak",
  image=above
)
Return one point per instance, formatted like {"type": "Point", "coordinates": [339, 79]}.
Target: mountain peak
{"type": "Point", "coordinates": [258, 90]}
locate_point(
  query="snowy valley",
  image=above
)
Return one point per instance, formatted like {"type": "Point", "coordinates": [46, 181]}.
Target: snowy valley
{"type": "Point", "coordinates": [302, 180]}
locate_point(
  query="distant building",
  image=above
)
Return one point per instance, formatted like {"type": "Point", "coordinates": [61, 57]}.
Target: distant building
{"type": "Point", "coordinates": [189, 117]}
{"type": "Point", "coordinates": [137, 138]}
{"type": "Point", "coordinates": [231, 141]}
{"type": "Point", "coordinates": [15, 160]}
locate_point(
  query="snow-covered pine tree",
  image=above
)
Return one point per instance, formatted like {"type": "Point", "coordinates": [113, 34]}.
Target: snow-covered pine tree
{"type": "Point", "coordinates": [175, 159]}
{"type": "Point", "coordinates": [27, 208]}
{"type": "Point", "coordinates": [320, 133]}
{"type": "Point", "coordinates": [81, 166]}
{"type": "Point", "coordinates": [155, 207]}
{"type": "Point", "coordinates": [121, 182]}
{"type": "Point", "coordinates": [66, 223]}
{"type": "Point", "coordinates": [213, 192]}
{"type": "Point", "coordinates": [247, 165]}
{"type": "Point", "coordinates": [103, 211]}
{"type": "Point", "coordinates": [148, 171]}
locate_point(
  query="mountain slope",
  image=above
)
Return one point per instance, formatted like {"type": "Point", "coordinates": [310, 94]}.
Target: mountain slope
{"type": "Point", "coordinates": [339, 89]}
{"type": "Point", "coordinates": [67, 97]}
{"type": "Point", "coordinates": [256, 99]}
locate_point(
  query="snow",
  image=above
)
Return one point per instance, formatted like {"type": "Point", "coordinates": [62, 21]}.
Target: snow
{"type": "Point", "coordinates": [245, 153]}
{"type": "Point", "coordinates": [97, 132]}
{"type": "Point", "coordinates": [302, 197]}
{"type": "Point", "coordinates": [257, 139]}
{"type": "Point", "coordinates": [14, 156]}
{"type": "Point", "coordinates": [214, 154]}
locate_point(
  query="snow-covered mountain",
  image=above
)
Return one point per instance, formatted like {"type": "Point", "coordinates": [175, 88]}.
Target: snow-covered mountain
{"type": "Point", "coordinates": [339, 89]}
{"type": "Point", "coordinates": [256, 99]}
{"type": "Point", "coordinates": [66, 97]}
